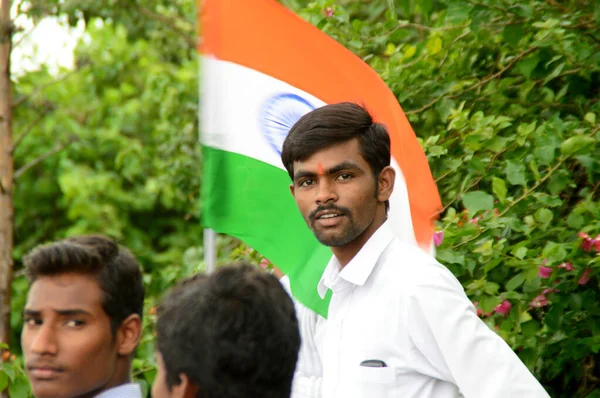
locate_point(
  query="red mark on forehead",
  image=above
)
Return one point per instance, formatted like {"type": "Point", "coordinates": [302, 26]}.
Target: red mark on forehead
{"type": "Point", "coordinates": [320, 169]}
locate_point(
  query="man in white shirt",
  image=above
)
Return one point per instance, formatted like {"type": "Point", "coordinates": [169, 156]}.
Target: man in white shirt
{"type": "Point", "coordinates": [83, 319]}
{"type": "Point", "coordinates": [399, 323]}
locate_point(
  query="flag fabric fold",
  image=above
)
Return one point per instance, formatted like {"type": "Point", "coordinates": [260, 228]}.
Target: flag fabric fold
{"type": "Point", "coordinates": [262, 69]}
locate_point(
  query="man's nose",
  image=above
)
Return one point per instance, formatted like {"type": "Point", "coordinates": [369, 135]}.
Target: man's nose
{"type": "Point", "coordinates": [326, 192]}
{"type": "Point", "coordinates": [45, 341]}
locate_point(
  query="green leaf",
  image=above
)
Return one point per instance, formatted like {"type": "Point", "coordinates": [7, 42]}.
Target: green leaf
{"type": "Point", "coordinates": [515, 173]}
{"type": "Point", "coordinates": [477, 201]}
{"type": "Point", "coordinates": [515, 281]}
{"type": "Point", "coordinates": [557, 183]}
{"type": "Point", "coordinates": [512, 34]}
{"type": "Point", "coordinates": [447, 256]}
{"type": "Point", "coordinates": [3, 380]}
{"type": "Point", "coordinates": [530, 328]}
{"type": "Point", "coordinates": [528, 64]}
{"type": "Point", "coordinates": [590, 117]}
{"type": "Point", "coordinates": [499, 188]}
{"type": "Point", "coordinates": [521, 252]}
{"type": "Point", "coordinates": [544, 216]}
{"type": "Point", "coordinates": [434, 45]}
{"type": "Point", "coordinates": [575, 220]}
{"type": "Point", "coordinates": [575, 144]}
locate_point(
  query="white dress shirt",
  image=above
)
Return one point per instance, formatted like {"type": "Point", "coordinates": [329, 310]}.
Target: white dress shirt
{"type": "Point", "coordinates": [129, 390]}
{"type": "Point", "coordinates": [396, 304]}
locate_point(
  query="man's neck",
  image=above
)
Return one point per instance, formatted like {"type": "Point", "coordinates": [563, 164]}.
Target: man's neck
{"type": "Point", "coordinates": [345, 254]}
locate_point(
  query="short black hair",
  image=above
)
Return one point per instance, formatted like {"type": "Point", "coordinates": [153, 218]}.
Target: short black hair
{"type": "Point", "coordinates": [115, 268]}
{"type": "Point", "coordinates": [335, 124]}
{"type": "Point", "coordinates": [233, 333]}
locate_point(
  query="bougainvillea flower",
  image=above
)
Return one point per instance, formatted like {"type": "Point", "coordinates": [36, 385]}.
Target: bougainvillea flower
{"type": "Point", "coordinates": [503, 308]}
{"type": "Point", "coordinates": [438, 237]}
{"type": "Point", "coordinates": [539, 301]}
{"type": "Point", "coordinates": [567, 266]}
{"type": "Point", "coordinates": [544, 272]}
{"type": "Point", "coordinates": [585, 277]}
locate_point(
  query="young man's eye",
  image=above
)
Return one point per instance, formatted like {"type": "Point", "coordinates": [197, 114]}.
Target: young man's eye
{"type": "Point", "coordinates": [73, 323]}
{"type": "Point", "coordinates": [344, 177]}
{"type": "Point", "coordinates": [306, 183]}
{"type": "Point", "coordinates": [33, 321]}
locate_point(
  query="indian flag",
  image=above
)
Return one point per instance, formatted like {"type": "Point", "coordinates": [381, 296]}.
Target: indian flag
{"type": "Point", "coordinates": [262, 69]}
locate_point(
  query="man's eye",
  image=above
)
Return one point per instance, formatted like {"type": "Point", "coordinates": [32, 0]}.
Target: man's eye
{"type": "Point", "coordinates": [33, 321]}
{"type": "Point", "coordinates": [344, 177]}
{"type": "Point", "coordinates": [73, 323]}
{"type": "Point", "coordinates": [306, 183]}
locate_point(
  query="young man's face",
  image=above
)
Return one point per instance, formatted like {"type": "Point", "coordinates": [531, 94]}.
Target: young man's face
{"type": "Point", "coordinates": [337, 194]}
{"type": "Point", "coordinates": [67, 341]}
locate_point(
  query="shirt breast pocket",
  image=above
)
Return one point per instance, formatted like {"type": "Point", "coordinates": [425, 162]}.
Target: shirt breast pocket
{"type": "Point", "coordinates": [376, 382]}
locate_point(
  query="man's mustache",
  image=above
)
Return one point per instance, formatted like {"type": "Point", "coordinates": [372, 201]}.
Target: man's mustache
{"type": "Point", "coordinates": [343, 211]}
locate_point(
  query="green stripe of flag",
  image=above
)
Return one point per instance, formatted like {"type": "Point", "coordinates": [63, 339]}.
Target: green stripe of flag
{"type": "Point", "coordinates": [250, 200]}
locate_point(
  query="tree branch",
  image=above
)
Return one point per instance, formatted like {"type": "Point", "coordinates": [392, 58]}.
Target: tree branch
{"type": "Point", "coordinates": [40, 88]}
{"type": "Point", "coordinates": [41, 158]}
{"type": "Point", "coordinates": [477, 85]}
{"type": "Point", "coordinates": [26, 131]}
{"type": "Point", "coordinates": [171, 22]}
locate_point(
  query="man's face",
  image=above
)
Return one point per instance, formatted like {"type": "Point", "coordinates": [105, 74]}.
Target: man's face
{"type": "Point", "coordinates": [336, 193]}
{"type": "Point", "coordinates": [67, 341]}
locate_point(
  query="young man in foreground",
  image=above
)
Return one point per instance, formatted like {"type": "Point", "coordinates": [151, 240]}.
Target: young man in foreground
{"type": "Point", "coordinates": [232, 334]}
{"type": "Point", "coordinates": [399, 323]}
{"type": "Point", "coordinates": [82, 319]}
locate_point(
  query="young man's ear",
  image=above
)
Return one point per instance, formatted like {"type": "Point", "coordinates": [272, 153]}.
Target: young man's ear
{"type": "Point", "coordinates": [292, 189]}
{"type": "Point", "coordinates": [185, 389]}
{"type": "Point", "coordinates": [129, 334]}
{"type": "Point", "coordinates": [385, 183]}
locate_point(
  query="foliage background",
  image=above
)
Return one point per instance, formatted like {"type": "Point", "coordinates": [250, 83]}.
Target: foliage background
{"type": "Point", "coordinates": [503, 94]}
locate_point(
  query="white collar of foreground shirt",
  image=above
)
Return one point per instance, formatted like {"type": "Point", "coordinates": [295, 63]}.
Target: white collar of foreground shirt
{"type": "Point", "coordinates": [129, 390]}
{"type": "Point", "coordinates": [357, 271]}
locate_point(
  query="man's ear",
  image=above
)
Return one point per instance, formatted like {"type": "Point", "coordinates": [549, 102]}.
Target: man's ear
{"type": "Point", "coordinates": [129, 334]}
{"type": "Point", "coordinates": [385, 183]}
{"type": "Point", "coordinates": [185, 389]}
{"type": "Point", "coordinates": [292, 189]}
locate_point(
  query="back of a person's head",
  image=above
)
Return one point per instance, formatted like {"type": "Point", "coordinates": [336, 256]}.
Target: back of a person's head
{"type": "Point", "coordinates": [114, 267]}
{"type": "Point", "coordinates": [234, 334]}
{"type": "Point", "coordinates": [335, 124]}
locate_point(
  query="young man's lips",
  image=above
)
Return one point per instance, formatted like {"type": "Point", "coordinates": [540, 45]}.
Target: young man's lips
{"type": "Point", "coordinates": [44, 373]}
{"type": "Point", "coordinates": [329, 221]}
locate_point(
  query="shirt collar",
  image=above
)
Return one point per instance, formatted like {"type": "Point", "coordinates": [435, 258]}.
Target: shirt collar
{"type": "Point", "coordinates": [357, 271]}
{"type": "Point", "coordinates": [129, 390]}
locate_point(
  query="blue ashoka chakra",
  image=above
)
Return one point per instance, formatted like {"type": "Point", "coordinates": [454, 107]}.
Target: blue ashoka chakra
{"type": "Point", "coordinates": [278, 114]}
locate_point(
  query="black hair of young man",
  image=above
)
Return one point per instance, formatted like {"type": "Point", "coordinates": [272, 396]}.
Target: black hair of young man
{"type": "Point", "coordinates": [232, 334]}
{"type": "Point", "coordinates": [114, 267]}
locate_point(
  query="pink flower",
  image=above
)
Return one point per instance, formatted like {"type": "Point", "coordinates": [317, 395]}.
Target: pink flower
{"type": "Point", "coordinates": [566, 266]}
{"type": "Point", "coordinates": [587, 244]}
{"type": "Point", "coordinates": [597, 244]}
{"type": "Point", "coordinates": [585, 277]}
{"type": "Point", "coordinates": [583, 235]}
{"type": "Point", "coordinates": [264, 263]}
{"type": "Point", "coordinates": [496, 212]}
{"type": "Point", "coordinates": [539, 301]}
{"type": "Point", "coordinates": [503, 308]}
{"type": "Point", "coordinates": [438, 237]}
{"type": "Point", "coordinates": [474, 220]}
{"type": "Point", "coordinates": [479, 311]}
{"type": "Point", "coordinates": [328, 12]}
{"type": "Point", "coordinates": [544, 272]}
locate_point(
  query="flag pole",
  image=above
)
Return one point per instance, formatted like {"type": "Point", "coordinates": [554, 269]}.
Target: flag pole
{"type": "Point", "coordinates": [210, 250]}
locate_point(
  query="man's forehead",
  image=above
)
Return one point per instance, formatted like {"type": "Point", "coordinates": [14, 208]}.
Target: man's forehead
{"type": "Point", "coordinates": [64, 291]}
{"type": "Point", "coordinates": [333, 155]}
